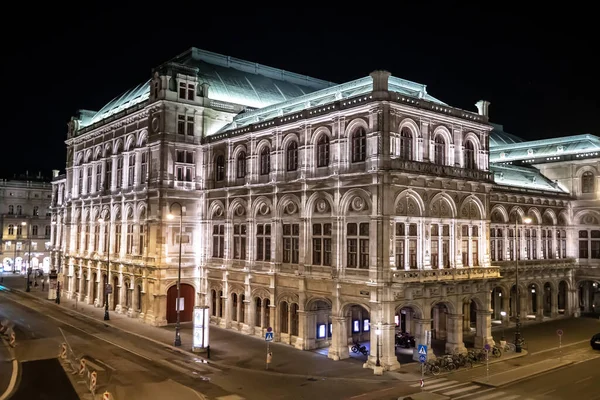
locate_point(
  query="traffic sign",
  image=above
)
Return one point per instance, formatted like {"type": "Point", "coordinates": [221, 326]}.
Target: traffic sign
{"type": "Point", "coordinates": [108, 289]}
{"type": "Point", "coordinates": [422, 358]}
{"type": "Point", "coordinates": [269, 336]}
{"type": "Point", "coordinates": [269, 329]}
{"type": "Point", "coordinates": [559, 332]}
{"type": "Point", "coordinates": [486, 347]}
{"type": "Point", "coordinates": [422, 350]}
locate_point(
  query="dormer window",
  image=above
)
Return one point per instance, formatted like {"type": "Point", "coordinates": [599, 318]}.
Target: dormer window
{"type": "Point", "coordinates": [186, 91]}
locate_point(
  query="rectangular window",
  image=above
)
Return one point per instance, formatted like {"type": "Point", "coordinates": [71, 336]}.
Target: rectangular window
{"type": "Point", "coordinates": [321, 244]}
{"type": "Point", "coordinates": [131, 170]}
{"type": "Point", "coordinates": [106, 236]}
{"type": "Point", "coordinates": [80, 181]}
{"type": "Point", "coordinates": [239, 241]}
{"type": "Point", "coordinates": [182, 90]}
{"type": "Point", "coordinates": [190, 91]}
{"type": "Point", "coordinates": [118, 230]}
{"type": "Point", "coordinates": [130, 239]}
{"type": "Point", "coordinates": [142, 247]}
{"type": "Point", "coordinates": [184, 174]}
{"type": "Point", "coordinates": [86, 239]}
{"type": "Point", "coordinates": [96, 237]}
{"type": "Point", "coordinates": [263, 242]}
{"type": "Point", "coordinates": [291, 243]}
{"type": "Point", "coordinates": [77, 238]}
{"type": "Point", "coordinates": [144, 168]}
{"type": "Point", "coordinates": [184, 156]}
{"type": "Point", "coordinates": [88, 186]}
{"type": "Point", "coordinates": [98, 177]}
{"type": "Point", "coordinates": [119, 172]}
{"type": "Point", "coordinates": [181, 124]}
{"type": "Point", "coordinates": [357, 248]}
{"type": "Point", "coordinates": [190, 126]}
{"type": "Point", "coordinates": [400, 244]}
{"type": "Point", "coordinates": [218, 241]}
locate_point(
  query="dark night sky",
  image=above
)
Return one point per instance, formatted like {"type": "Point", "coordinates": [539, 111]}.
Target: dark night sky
{"type": "Point", "coordinates": [537, 67]}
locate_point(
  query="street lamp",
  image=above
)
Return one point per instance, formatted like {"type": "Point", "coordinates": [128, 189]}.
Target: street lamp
{"type": "Point", "coordinates": [106, 315]}
{"type": "Point", "coordinates": [28, 286]}
{"type": "Point", "coordinates": [178, 323]}
{"type": "Point", "coordinates": [525, 220]}
{"type": "Point", "coordinates": [378, 333]}
{"type": "Point", "coordinates": [503, 315]}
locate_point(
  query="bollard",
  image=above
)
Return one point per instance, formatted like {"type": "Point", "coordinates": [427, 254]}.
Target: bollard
{"type": "Point", "coordinates": [106, 396]}
{"type": "Point", "coordinates": [81, 366]}
{"type": "Point", "coordinates": [93, 378]}
{"type": "Point", "coordinates": [12, 340]}
{"type": "Point", "coordinates": [63, 351]}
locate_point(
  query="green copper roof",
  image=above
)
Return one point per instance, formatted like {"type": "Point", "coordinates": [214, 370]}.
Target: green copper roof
{"type": "Point", "coordinates": [128, 99]}
{"type": "Point", "coordinates": [524, 177]}
{"type": "Point", "coordinates": [546, 150]}
{"type": "Point", "coordinates": [498, 137]}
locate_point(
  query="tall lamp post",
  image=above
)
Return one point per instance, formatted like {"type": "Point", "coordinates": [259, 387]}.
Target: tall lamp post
{"type": "Point", "coordinates": [170, 216]}
{"type": "Point", "coordinates": [378, 334]}
{"type": "Point", "coordinates": [106, 315]}
{"type": "Point", "coordinates": [28, 287]}
{"type": "Point", "coordinates": [525, 220]}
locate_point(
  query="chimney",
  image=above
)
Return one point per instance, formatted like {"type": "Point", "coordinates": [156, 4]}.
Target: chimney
{"type": "Point", "coordinates": [380, 80]}
{"type": "Point", "coordinates": [55, 173]}
{"type": "Point", "coordinates": [482, 107]}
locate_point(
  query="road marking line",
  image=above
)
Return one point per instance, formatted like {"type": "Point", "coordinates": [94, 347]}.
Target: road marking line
{"type": "Point", "coordinates": [549, 391]}
{"type": "Point", "coordinates": [584, 379]}
{"type": "Point", "coordinates": [429, 382]}
{"type": "Point", "coordinates": [13, 380]}
{"type": "Point", "coordinates": [450, 387]}
{"type": "Point", "coordinates": [457, 391]}
{"type": "Point", "coordinates": [87, 333]}
{"type": "Point", "coordinates": [563, 346]}
{"type": "Point", "coordinates": [480, 392]}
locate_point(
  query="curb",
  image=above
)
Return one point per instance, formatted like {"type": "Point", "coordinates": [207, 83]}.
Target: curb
{"type": "Point", "coordinates": [209, 362]}
{"type": "Point", "coordinates": [15, 365]}
{"type": "Point", "coordinates": [482, 381]}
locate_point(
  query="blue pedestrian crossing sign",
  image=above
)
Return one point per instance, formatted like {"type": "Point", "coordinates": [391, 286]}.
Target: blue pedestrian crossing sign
{"type": "Point", "coordinates": [269, 336]}
{"type": "Point", "coordinates": [422, 350]}
{"type": "Point", "coordinates": [422, 358]}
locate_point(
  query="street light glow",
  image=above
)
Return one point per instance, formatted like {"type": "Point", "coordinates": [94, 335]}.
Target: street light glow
{"type": "Point", "coordinates": [170, 216]}
{"type": "Point", "coordinates": [526, 220]}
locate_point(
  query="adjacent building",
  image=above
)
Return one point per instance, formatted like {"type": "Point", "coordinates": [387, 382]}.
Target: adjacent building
{"type": "Point", "coordinates": [26, 224]}
{"type": "Point", "coordinates": [329, 212]}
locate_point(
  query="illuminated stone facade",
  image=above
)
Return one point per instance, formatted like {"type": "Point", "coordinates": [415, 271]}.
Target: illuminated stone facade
{"type": "Point", "coordinates": [25, 221]}
{"type": "Point", "coordinates": [328, 212]}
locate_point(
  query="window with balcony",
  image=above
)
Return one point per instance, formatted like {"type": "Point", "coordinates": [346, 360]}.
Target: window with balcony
{"type": "Point", "coordinates": [265, 161]}
{"type": "Point", "coordinates": [323, 151]}
{"type": "Point", "coordinates": [241, 165]}
{"type": "Point", "coordinates": [142, 233]}
{"type": "Point", "coordinates": [439, 150]}
{"type": "Point", "coordinates": [561, 239]}
{"type": "Point", "coordinates": [119, 172]}
{"type": "Point", "coordinates": [357, 245]}
{"type": "Point", "coordinates": [88, 178]}
{"type": "Point", "coordinates": [547, 248]}
{"type": "Point", "coordinates": [406, 144]}
{"type": "Point", "coordinates": [321, 244]}
{"type": "Point", "coordinates": [587, 182]}
{"type": "Point", "coordinates": [291, 155]}
{"type": "Point", "coordinates": [496, 244]}
{"type": "Point", "coordinates": [129, 240]}
{"type": "Point", "coordinates": [144, 167]}
{"type": "Point", "coordinates": [359, 145]}
{"type": "Point", "coordinates": [291, 243]}
{"type": "Point", "coordinates": [470, 239]}
{"type": "Point", "coordinates": [589, 244]}
{"type": "Point", "coordinates": [263, 242]}
{"type": "Point", "coordinates": [106, 238]}
{"type": "Point", "coordinates": [218, 241]}
{"type": "Point", "coordinates": [98, 177]}
{"type": "Point", "coordinates": [96, 238]}
{"type": "Point", "coordinates": [86, 239]}
{"type": "Point", "coordinates": [78, 237]}
{"type": "Point", "coordinates": [219, 168]}
{"type": "Point", "coordinates": [440, 246]}
{"type": "Point", "coordinates": [80, 181]}
{"type": "Point", "coordinates": [11, 229]}
{"type": "Point", "coordinates": [239, 241]}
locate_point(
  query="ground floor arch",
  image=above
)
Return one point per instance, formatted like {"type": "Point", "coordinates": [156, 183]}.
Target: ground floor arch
{"type": "Point", "coordinates": [186, 303]}
{"type": "Point", "coordinates": [589, 297]}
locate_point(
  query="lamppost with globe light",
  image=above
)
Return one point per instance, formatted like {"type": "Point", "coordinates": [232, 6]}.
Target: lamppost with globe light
{"type": "Point", "coordinates": [525, 220]}
{"type": "Point", "coordinates": [503, 315]}
{"type": "Point", "coordinates": [378, 334]}
{"type": "Point", "coordinates": [28, 286]}
{"type": "Point", "coordinates": [170, 216]}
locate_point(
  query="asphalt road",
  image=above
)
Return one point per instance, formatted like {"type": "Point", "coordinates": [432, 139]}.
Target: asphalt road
{"type": "Point", "coordinates": [44, 380]}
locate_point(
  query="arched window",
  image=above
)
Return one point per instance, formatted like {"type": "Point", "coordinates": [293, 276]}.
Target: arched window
{"type": "Point", "coordinates": [220, 168]}
{"type": "Point", "coordinates": [241, 165]}
{"type": "Point", "coordinates": [19, 210]}
{"type": "Point", "coordinates": [11, 229]}
{"type": "Point", "coordinates": [265, 161]}
{"type": "Point", "coordinates": [406, 145]}
{"type": "Point", "coordinates": [439, 150]}
{"type": "Point", "coordinates": [359, 145]}
{"type": "Point", "coordinates": [292, 156]}
{"type": "Point", "coordinates": [323, 151]}
{"type": "Point", "coordinates": [469, 155]}
{"type": "Point", "coordinates": [587, 182]}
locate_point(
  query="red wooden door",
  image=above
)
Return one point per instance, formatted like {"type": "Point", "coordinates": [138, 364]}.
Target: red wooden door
{"type": "Point", "coordinates": [187, 293]}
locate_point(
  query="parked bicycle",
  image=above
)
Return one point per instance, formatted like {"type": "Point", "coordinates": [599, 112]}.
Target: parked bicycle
{"type": "Point", "coordinates": [358, 348]}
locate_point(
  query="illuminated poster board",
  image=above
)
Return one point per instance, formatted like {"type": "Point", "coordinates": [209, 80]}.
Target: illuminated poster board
{"type": "Point", "coordinates": [201, 328]}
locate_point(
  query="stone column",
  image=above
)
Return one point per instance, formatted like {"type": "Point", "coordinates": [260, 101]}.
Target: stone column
{"type": "Point", "coordinates": [467, 318]}
{"type": "Point", "coordinates": [422, 326]}
{"type": "Point", "coordinates": [483, 333]}
{"type": "Point", "coordinates": [554, 303]}
{"type": "Point", "coordinates": [338, 350]}
{"type": "Point", "coordinates": [454, 341]}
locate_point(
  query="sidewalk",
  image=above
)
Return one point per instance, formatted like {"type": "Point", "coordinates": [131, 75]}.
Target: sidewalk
{"type": "Point", "coordinates": [231, 350]}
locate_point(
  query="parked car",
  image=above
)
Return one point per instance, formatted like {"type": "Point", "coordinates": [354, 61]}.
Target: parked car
{"type": "Point", "coordinates": [595, 342]}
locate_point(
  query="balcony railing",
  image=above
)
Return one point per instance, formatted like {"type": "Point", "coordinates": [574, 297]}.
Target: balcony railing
{"type": "Point", "coordinates": [537, 264]}
{"type": "Point", "coordinates": [441, 275]}
{"type": "Point", "coordinates": [441, 170]}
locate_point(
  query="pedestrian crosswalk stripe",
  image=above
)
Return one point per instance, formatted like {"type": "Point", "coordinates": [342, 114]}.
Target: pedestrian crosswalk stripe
{"type": "Point", "coordinates": [492, 395]}
{"type": "Point", "coordinates": [471, 394]}
{"type": "Point", "coordinates": [429, 382]}
{"type": "Point", "coordinates": [464, 389]}
{"type": "Point", "coordinates": [442, 385]}
{"type": "Point", "coordinates": [450, 386]}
